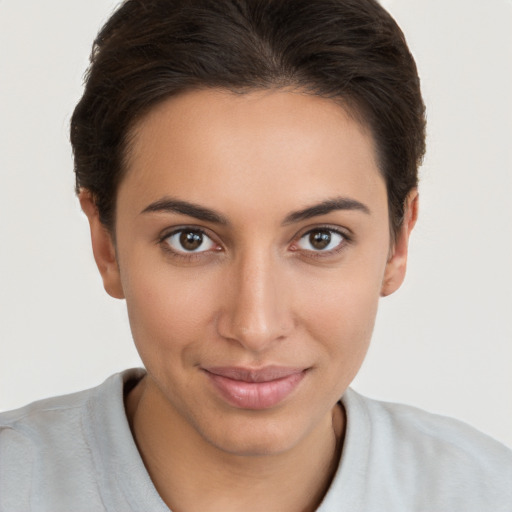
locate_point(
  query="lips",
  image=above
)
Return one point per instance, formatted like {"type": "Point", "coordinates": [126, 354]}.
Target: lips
{"type": "Point", "coordinates": [261, 388]}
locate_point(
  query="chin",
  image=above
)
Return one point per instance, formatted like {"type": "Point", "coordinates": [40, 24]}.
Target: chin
{"type": "Point", "coordinates": [255, 436]}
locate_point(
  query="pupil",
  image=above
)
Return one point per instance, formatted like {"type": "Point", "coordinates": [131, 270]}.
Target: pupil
{"type": "Point", "coordinates": [320, 239]}
{"type": "Point", "coordinates": [191, 240]}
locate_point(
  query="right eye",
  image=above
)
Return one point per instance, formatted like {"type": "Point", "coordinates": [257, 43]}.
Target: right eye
{"type": "Point", "coordinates": [189, 241]}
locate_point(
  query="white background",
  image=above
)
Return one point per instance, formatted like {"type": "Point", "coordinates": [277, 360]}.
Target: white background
{"type": "Point", "coordinates": [443, 342]}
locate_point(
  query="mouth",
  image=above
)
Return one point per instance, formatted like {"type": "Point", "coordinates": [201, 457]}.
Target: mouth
{"type": "Point", "coordinates": [255, 389]}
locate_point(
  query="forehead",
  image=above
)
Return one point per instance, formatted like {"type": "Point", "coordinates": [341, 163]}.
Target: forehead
{"type": "Point", "coordinates": [217, 146]}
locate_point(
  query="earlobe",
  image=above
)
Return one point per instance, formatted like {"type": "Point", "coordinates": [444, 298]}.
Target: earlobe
{"type": "Point", "coordinates": [397, 263]}
{"type": "Point", "coordinates": [102, 246]}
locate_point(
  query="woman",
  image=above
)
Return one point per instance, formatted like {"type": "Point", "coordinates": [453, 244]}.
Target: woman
{"type": "Point", "coordinates": [249, 172]}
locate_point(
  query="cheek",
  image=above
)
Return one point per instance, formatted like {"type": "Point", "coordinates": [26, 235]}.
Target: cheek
{"type": "Point", "coordinates": [169, 312]}
{"type": "Point", "coordinates": [345, 325]}
{"type": "Point", "coordinates": [340, 308]}
{"type": "Point", "coordinates": [344, 312]}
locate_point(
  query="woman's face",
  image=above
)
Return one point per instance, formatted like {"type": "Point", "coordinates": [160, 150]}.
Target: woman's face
{"type": "Point", "coordinates": [253, 244]}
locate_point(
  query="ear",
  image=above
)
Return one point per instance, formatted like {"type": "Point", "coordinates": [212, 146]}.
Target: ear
{"type": "Point", "coordinates": [103, 247]}
{"type": "Point", "coordinates": [397, 262]}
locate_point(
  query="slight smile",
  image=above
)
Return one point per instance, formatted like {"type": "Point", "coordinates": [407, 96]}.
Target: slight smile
{"type": "Point", "coordinates": [255, 389]}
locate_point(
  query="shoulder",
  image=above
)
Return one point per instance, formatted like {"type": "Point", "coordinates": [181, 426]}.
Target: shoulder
{"type": "Point", "coordinates": [49, 421]}
{"type": "Point", "coordinates": [36, 416]}
{"type": "Point", "coordinates": [49, 416]}
{"type": "Point", "coordinates": [37, 411]}
{"type": "Point", "coordinates": [432, 462]}
{"type": "Point", "coordinates": [50, 445]}
{"type": "Point", "coordinates": [42, 422]}
{"type": "Point", "coordinates": [409, 428]}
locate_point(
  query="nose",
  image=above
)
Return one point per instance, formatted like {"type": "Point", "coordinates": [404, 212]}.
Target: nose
{"type": "Point", "coordinates": [256, 310]}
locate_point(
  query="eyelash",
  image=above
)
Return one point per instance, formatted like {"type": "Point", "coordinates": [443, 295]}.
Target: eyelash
{"type": "Point", "coordinates": [184, 255]}
{"type": "Point", "coordinates": [191, 255]}
{"type": "Point", "coordinates": [346, 240]}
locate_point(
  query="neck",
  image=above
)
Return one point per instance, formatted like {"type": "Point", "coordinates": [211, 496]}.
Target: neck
{"type": "Point", "coordinates": [190, 473]}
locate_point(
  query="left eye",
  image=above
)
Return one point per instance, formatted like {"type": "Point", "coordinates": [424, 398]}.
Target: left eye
{"type": "Point", "coordinates": [190, 240]}
{"type": "Point", "coordinates": [320, 240]}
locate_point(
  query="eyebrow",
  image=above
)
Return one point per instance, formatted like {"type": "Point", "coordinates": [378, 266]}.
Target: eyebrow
{"type": "Point", "coordinates": [170, 205]}
{"type": "Point", "coordinates": [338, 203]}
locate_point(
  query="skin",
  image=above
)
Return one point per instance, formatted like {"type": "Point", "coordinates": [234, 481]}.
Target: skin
{"type": "Point", "coordinates": [259, 293]}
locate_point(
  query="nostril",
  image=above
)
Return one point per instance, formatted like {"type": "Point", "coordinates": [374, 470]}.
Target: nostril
{"type": "Point", "coordinates": [255, 334]}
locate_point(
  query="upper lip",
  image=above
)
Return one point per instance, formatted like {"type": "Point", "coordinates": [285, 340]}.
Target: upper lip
{"type": "Point", "coordinates": [265, 374]}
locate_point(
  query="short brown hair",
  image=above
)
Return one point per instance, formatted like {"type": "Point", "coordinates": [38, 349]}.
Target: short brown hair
{"type": "Point", "coordinates": [149, 50]}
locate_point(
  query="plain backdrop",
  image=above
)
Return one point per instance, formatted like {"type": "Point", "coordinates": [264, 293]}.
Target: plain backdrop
{"type": "Point", "coordinates": [443, 342]}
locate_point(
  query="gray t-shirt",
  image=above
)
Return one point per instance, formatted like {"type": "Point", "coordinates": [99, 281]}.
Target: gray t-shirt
{"type": "Point", "coordinates": [76, 453]}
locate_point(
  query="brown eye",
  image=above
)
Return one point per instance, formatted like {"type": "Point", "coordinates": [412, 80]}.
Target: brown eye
{"type": "Point", "coordinates": [190, 240]}
{"type": "Point", "coordinates": [321, 240]}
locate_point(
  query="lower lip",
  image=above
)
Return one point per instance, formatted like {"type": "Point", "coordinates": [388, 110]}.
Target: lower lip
{"type": "Point", "coordinates": [255, 395]}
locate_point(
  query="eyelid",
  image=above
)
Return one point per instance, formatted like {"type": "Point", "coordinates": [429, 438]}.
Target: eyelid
{"type": "Point", "coordinates": [167, 233]}
{"type": "Point", "coordinates": [343, 232]}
